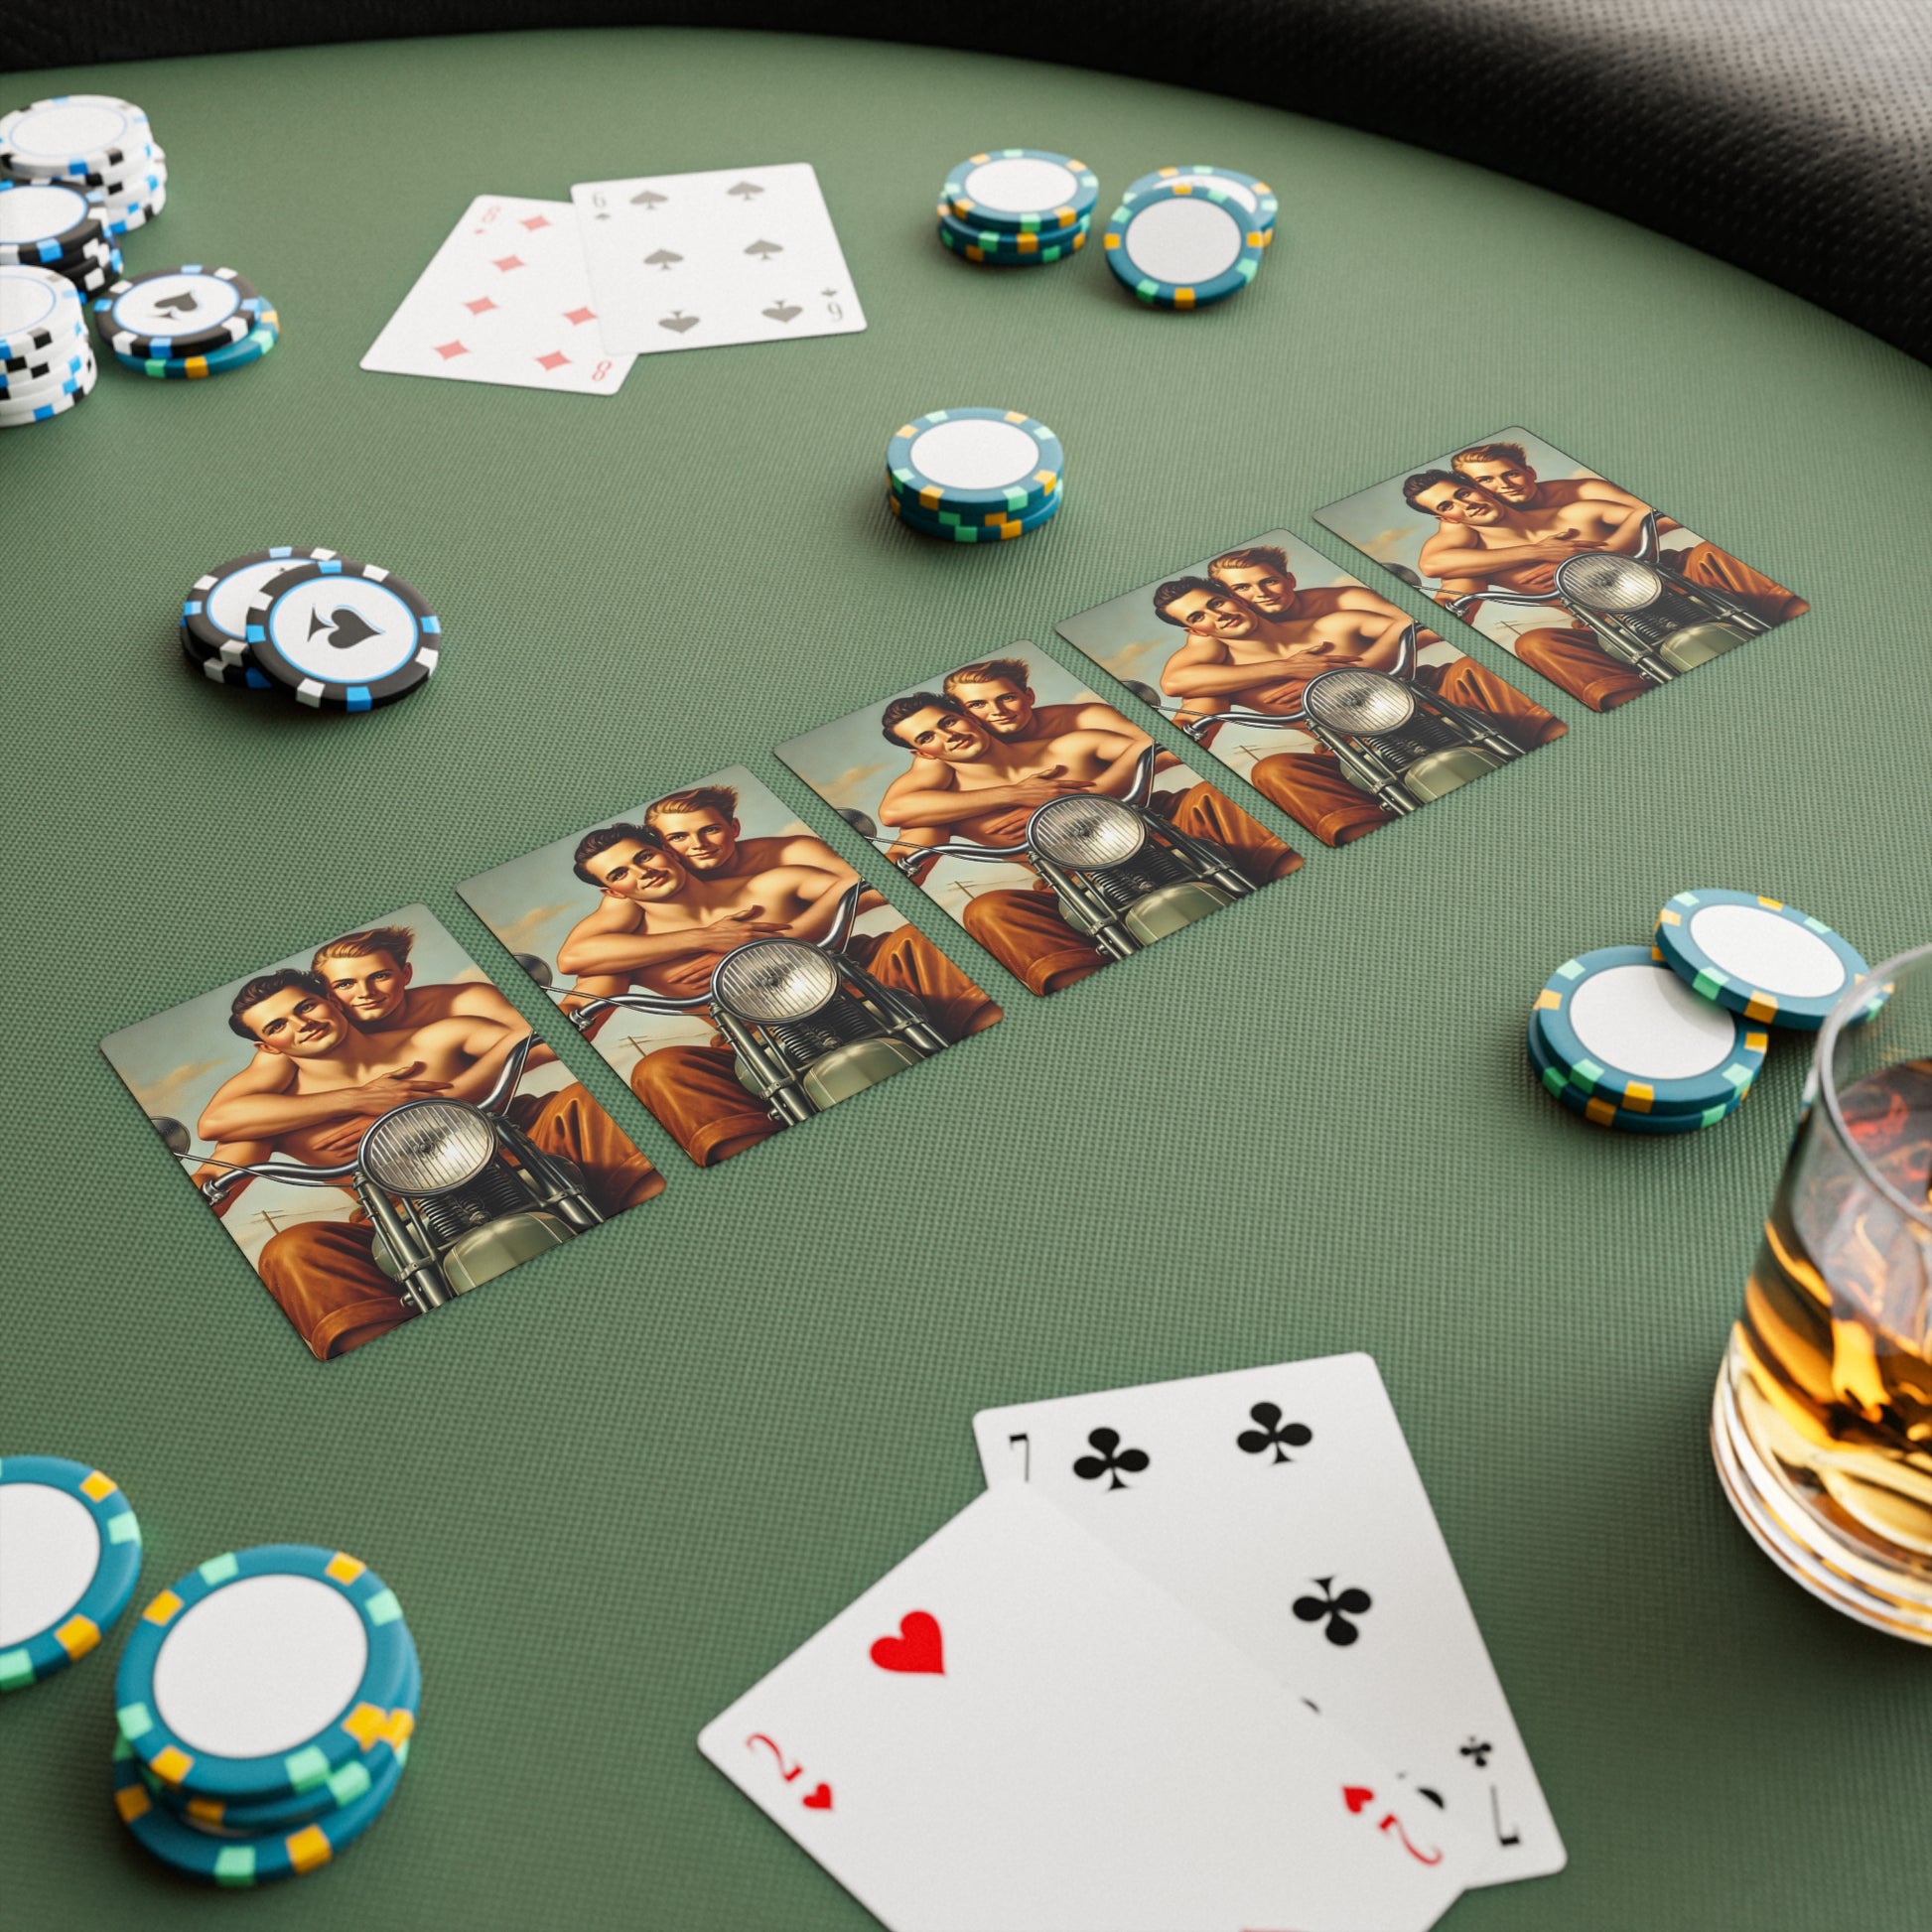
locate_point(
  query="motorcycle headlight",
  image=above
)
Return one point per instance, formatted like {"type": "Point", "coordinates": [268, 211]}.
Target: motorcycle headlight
{"type": "Point", "coordinates": [1608, 583]}
{"type": "Point", "coordinates": [773, 979]}
{"type": "Point", "coordinates": [428, 1147]}
{"type": "Point", "coordinates": [1361, 703]}
{"type": "Point", "coordinates": [1086, 831]}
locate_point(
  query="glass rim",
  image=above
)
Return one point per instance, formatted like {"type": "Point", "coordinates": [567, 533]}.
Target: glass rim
{"type": "Point", "coordinates": [1851, 1003]}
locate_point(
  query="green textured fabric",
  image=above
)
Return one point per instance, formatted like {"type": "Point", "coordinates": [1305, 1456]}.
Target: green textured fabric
{"type": "Point", "coordinates": [617, 1487]}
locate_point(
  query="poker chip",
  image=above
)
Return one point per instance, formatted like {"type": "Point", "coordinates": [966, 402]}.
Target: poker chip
{"type": "Point", "coordinates": [988, 245]}
{"type": "Point", "coordinates": [1757, 956]}
{"type": "Point", "coordinates": [257, 342]}
{"type": "Point", "coordinates": [1183, 245]}
{"type": "Point", "coordinates": [342, 1787]}
{"type": "Point", "coordinates": [34, 376]}
{"type": "Point", "coordinates": [214, 613]}
{"type": "Point", "coordinates": [1021, 191]}
{"type": "Point", "coordinates": [172, 314]}
{"type": "Point", "coordinates": [1255, 195]}
{"type": "Point", "coordinates": [340, 635]}
{"type": "Point", "coordinates": [73, 1553]}
{"type": "Point", "coordinates": [48, 221]}
{"type": "Point", "coordinates": [972, 460]}
{"type": "Point", "coordinates": [58, 401]}
{"type": "Point", "coordinates": [261, 1673]}
{"type": "Point", "coordinates": [72, 135]}
{"type": "Point", "coordinates": [1626, 1030]}
{"type": "Point", "coordinates": [1606, 1113]}
{"type": "Point", "coordinates": [221, 1859]}
{"type": "Point", "coordinates": [994, 527]}
{"type": "Point", "coordinates": [40, 315]}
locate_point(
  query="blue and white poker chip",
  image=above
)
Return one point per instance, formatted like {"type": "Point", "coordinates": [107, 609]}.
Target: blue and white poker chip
{"type": "Point", "coordinates": [1628, 1031]}
{"type": "Point", "coordinates": [1184, 245]}
{"type": "Point", "coordinates": [262, 1672]}
{"type": "Point", "coordinates": [69, 1557]}
{"type": "Point", "coordinates": [1253, 195]}
{"type": "Point", "coordinates": [1021, 191]}
{"type": "Point", "coordinates": [1758, 956]}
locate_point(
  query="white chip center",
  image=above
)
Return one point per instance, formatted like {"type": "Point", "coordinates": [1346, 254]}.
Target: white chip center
{"type": "Point", "coordinates": [975, 453]}
{"type": "Point", "coordinates": [28, 297]}
{"type": "Point", "coordinates": [1644, 1021]}
{"type": "Point", "coordinates": [175, 305]}
{"type": "Point", "coordinates": [344, 629]}
{"type": "Point", "coordinates": [1186, 240]}
{"type": "Point", "coordinates": [50, 1549]}
{"type": "Point", "coordinates": [39, 212]}
{"type": "Point", "coordinates": [260, 1666]}
{"type": "Point", "coordinates": [1770, 954]}
{"type": "Point", "coordinates": [68, 130]}
{"type": "Point", "coordinates": [1019, 185]}
{"type": "Point", "coordinates": [228, 602]}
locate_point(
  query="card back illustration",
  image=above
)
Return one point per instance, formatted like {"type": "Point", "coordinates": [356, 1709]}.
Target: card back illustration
{"type": "Point", "coordinates": [378, 1128]}
{"type": "Point", "coordinates": [1047, 822]}
{"type": "Point", "coordinates": [1601, 592]}
{"type": "Point", "coordinates": [726, 962]}
{"type": "Point", "coordinates": [728, 255]}
{"type": "Point", "coordinates": [1330, 701]}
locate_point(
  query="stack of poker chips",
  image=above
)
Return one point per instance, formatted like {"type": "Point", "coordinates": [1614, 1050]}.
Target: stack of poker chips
{"type": "Point", "coordinates": [186, 323]}
{"type": "Point", "coordinates": [1018, 208]}
{"type": "Point", "coordinates": [71, 1547]}
{"type": "Point", "coordinates": [974, 476]}
{"type": "Point", "coordinates": [264, 1707]}
{"type": "Point", "coordinates": [1668, 1037]}
{"type": "Point", "coordinates": [331, 633]}
{"type": "Point", "coordinates": [47, 361]}
{"type": "Point", "coordinates": [1186, 237]}
{"type": "Point", "coordinates": [92, 141]}
{"type": "Point", "coordinates": [60, 227]}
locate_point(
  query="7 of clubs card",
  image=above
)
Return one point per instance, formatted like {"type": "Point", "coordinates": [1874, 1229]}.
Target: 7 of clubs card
{"type": "Point", "coordinates": [1281, 1506]}
{"type": "Point", "coordinates": [504, 300]}
{"type": "Point", "coordinates": [729, 256]}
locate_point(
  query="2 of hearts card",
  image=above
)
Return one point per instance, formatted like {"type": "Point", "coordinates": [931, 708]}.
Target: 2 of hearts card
{"type": "Point", "coordinates": [728, 255]}
{"type": "Point", "coordinates": [1015, 1731]}
{"type": "Point", "coordinates": [1197, 1658]}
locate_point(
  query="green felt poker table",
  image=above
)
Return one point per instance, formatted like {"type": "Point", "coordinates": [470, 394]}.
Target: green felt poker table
{"type": "Point", "coordinates": [614, 1488]}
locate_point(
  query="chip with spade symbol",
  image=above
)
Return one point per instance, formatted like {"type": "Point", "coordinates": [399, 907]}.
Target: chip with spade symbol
{"type": "Point", "coordinates": [339, 635]}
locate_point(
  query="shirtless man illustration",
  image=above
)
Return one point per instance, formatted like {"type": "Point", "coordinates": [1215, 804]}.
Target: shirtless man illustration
{"type": "Point", "coordinates": [998, 691]}
{"type": "Point", "coordinates": [1502, 528]}
{"type": "Point", "coordinates": [965, 782]}
{"type": "Point", "coordinates": [316, 1085]}
{"type": "Point", "coordinates": [1254, 640]}
{"type": "Point", "coordinates": [686, 887]}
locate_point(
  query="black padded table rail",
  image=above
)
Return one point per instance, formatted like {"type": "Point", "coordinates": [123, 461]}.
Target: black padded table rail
{"type": "Point", "coordinates": [1792, 137]}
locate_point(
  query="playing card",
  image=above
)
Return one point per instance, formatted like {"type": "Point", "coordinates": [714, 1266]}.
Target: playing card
{"type": "Point", "coordinates": [1573, 574]}
{"type": "Point", "coordinates": [729, 255]}
{"type": "Point", "coordinates": [627, 923]}
{"type": "Point", "coordinates": [972, 786]}
{"type": "Point", "coordinates": [505, 299]}
{"type": "Point", "coordinates": [1281, 1506]}
{"type": "Point", "coordinates": [1015, 1732]}
{"type": "Point", "coordinates": [1333, 703]}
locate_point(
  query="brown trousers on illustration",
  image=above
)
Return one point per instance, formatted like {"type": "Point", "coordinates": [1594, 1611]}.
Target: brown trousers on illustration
{"type": "Point", "coordinates": [323, 1273]}
{"type": "Point", "coordinates": [695, 1092]}
{"type": "Point", "coordinates": [1311, 787]}
{"type": "Point", "coordinates": [1570, 657]}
